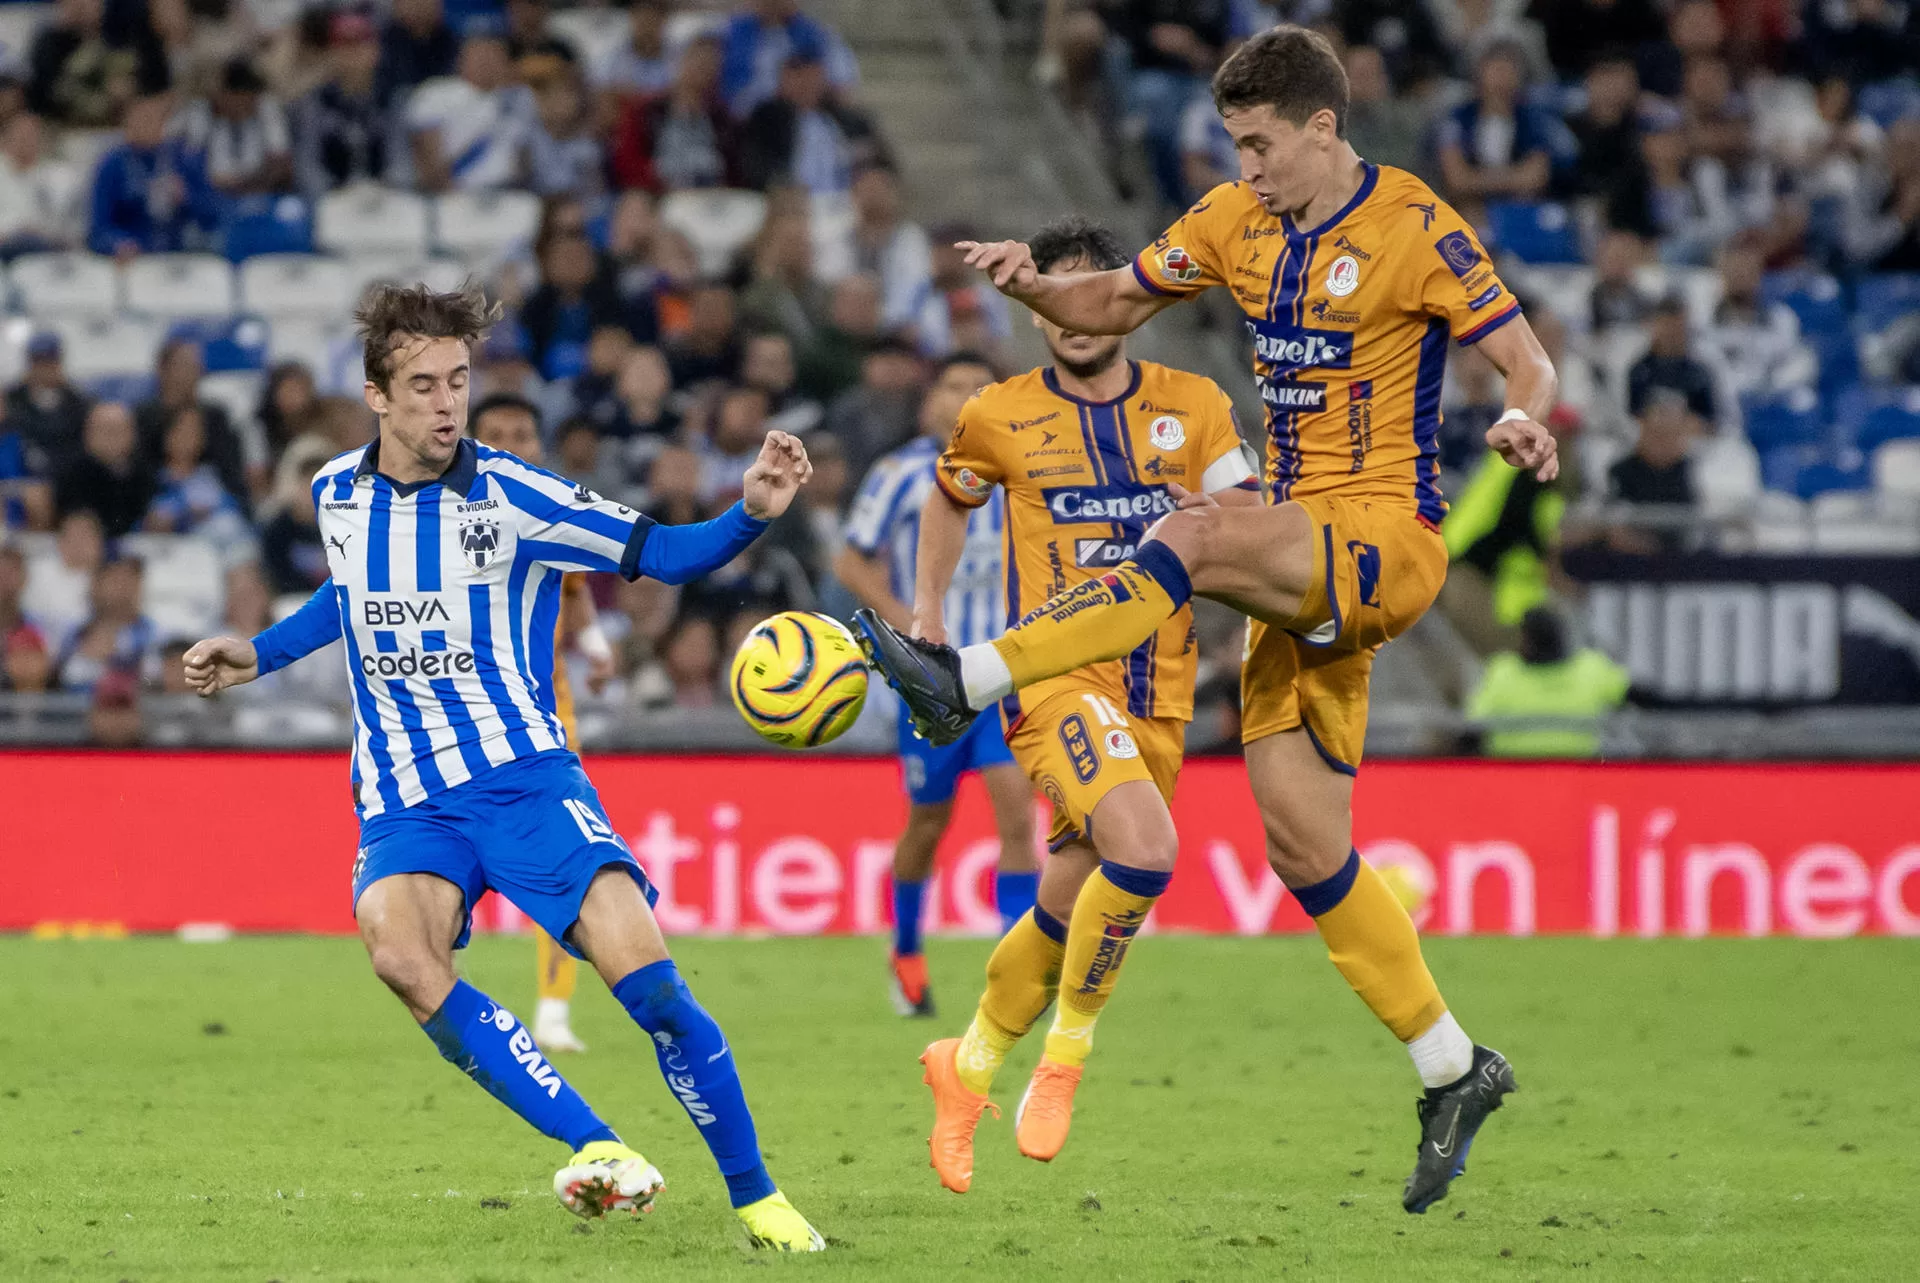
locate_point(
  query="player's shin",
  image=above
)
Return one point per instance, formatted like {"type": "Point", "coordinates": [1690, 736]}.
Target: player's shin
{"type": "Point", "coordinates": [698, 1066]}
{"type": "Point", "coordinates": [1111, 907]}
{"type": "Point", "coordinates": [1372, 941]}
{"type": "Point", "coordinates": [1101, 618]}
{"type": "Point", "coordinates": [484, 1041]}
{"type": "Point", "coordinates": [1022, 975]}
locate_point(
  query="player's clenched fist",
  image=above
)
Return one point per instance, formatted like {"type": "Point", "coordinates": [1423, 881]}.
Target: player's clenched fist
{"type": "Point", "coordinates": [1009, 264]}
{"type": "Point", "coordinates": [220, 662]}
{"type": "Point", "coordinates": [776, 476]}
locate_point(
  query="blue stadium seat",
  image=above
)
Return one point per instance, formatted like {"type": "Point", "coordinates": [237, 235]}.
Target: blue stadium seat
{"type": "Point", "coordinates": [1814, 297]}
{"type": "Point", "coordinates": [1828, 476]}
{"type": "Point", "coordinates": [1839, 359]}
{"type": "Point", "coordinates": [1895, 417]}
{"type": "Point", "coordinates": [227, 343]}
{"type": "Point", "coordinates": [1888, 100]}
{"type": "Point", "coordinates": [127, 389]}
{"type": "Point", "coordinates": [269, 225]}
{"type": "Point", "coordinates": [1878, 300]}
{"type": "Point", "coordinates": [1535, 233]}
{"type": "Point", "coordinates": [1795, 421]}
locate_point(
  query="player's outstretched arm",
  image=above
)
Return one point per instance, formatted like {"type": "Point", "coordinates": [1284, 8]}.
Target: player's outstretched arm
{"type": "Point", "coordinates": [1089, 302]}
{"type": "Point", "coordinates": [219, 662]}
{"type": "Point", "coordinates": [943, 537]}
{"type": "Point", "coordinates": [1519, 435]}
{"type": "Point", "coordinates": [682, 554]}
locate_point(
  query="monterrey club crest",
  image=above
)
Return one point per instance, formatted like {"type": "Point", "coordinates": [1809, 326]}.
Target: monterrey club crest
{"type": "Point", "coordinates": [1167, 433]}
{"type": "Point", "coordinates": [1343, 278]}
{"type": "Point", "coordinates": [480, 543]}
{"type": "Point", "coordinates": [1178, 266]}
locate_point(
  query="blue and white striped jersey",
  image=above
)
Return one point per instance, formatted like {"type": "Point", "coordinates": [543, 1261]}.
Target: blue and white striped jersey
{"type": "Point", "coordinates": [886, 521]}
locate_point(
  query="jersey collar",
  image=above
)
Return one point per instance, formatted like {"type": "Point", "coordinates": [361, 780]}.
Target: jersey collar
{"type": "Point", "coordinates": [459, 476]}
{"type": "Point", "coordinates": [1369, 176]}
{"type": "Point", "coordinates": [1048, 377]}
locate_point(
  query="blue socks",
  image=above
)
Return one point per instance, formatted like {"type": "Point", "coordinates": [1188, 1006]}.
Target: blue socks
{"type": "Point", "coordinates": [486, 1043]}
{"type": "Point", "coordinates": [906, 916]}
{"type": "Point", "coordinates": [1013, 895]}
{"type": "Point", "coordinates": [698, 1067]}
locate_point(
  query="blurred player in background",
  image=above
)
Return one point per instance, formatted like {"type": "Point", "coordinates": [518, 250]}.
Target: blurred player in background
{"type": "Point", "coordinates": [445, 562]}
{"type": "Point", "coordinates": [1354, 279]}
{"type": "Point", "coordinates": [877, 566]}
{"type": "Point", "coordinates": [1087, 451]}
{"type": "Point", "coordinates": [512, 423]}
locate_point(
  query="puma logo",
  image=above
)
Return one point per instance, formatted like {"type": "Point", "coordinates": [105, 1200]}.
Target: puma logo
{"type": "Point", "coordinates": [338, 543]}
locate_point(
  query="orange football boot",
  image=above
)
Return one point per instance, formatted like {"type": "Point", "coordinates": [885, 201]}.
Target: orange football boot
{"type": "Point", "coordinates": [956, 1113]}
{"type": "Point", "coordinates": [1046, 1111]}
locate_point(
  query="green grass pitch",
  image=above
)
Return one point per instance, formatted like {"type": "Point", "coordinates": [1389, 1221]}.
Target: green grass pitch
{"type": "Point", "coordinates": [261, 1109]}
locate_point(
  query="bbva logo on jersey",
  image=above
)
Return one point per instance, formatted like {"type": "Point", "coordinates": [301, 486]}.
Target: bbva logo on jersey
{"type": "Point", "coordinates": [480, 543]}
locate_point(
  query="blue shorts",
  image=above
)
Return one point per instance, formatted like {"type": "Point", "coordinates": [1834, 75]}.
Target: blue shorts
{"type": "Point", "coordinates": [533, 830]}
{"type": "Point", "coordinates": [932, 774]}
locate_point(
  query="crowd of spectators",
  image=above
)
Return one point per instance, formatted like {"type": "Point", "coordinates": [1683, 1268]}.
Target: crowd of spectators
{"type": "Point", "coordinates": [656, 369]}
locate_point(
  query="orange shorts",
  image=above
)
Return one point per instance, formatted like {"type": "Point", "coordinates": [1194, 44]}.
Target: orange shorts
{"type": "Point", "coordinates": [1376, 569]}
{"type": "Point", "coordinates": [1076, 742]}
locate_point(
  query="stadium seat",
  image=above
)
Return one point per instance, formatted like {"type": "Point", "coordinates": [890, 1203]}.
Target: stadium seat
{"type": "Point", "coordinates": [1780, 524]}
{"type": "Point", "coordinates": [296, 285]}
{"type": "Point", "coordinates": [226, 342]}
{"type": "Point", "coordinates": [369, 218]}
{"type": "Point", "coordinates": [269, 225]}
{"type": "Point", "coordinates": [1781, 466]}
{"type": "Point", "coordinates": [1837, 355]}
{"type": "Point", "coordinates": [407, 269]}
{"type": "Point", "coordinates": [97, 346]}
{"type": "Point", "coordinates": [1829, 475]}
{"type": "Point", "coordinates": [1534, 233]}
{"type": "Point", "coordinates": [1896, 468]}
{"type": "Point", "coordinates": [1879, 300]}
{"type": "Point", "coordinates": [485, 227]}
{"type": "Point", "coordinates": [18, 25]}
{"type": "Point", "coordinates": [51, 285]}
{"type": "Point", "coordinates": [185, 590]}
{"type": "Point", "coordinates": [1567, 290]}
{"type": "Point", "coordinates": [1726, 476]}
{"type": "Point", "coordinates": [308, 340]}
{"type": "Point", "coordinates": [235, 391]}
{"type": "Point", "coordinates": [1814, 297]}
{"type": "Point", "coordinates": [1792, 420]}
{"type": "Point", "coordinates": [718, 221]}
{"type": "Point", "coordinates": [1896, 417]}
{"type": "Point", "coordinates": [1886, 101]}
{"type": "Point", "coordinates": [1701, 287]}
{"type": "Point", "coordinates": [593, 33]}
{"type": "Point", "coordinates": [180, 285]}
{"type": "Point", "coordinates": [127, 389]}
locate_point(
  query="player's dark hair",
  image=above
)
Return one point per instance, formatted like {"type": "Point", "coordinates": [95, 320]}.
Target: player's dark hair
{"type": "Point", "coordinates": [961, 357]}
{"type": "Point", "coordinates": [500, 401]}
{"type": "Point", "coordinates": [391, 315]}
{"type": "Point", "coordinates": [1073, 237]}
{"type": "Point", "coordinates": [1290, 69]}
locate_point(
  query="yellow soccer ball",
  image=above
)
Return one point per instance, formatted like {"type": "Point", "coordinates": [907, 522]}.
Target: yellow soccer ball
{"type": "Point", "coordinates": [799, 679]}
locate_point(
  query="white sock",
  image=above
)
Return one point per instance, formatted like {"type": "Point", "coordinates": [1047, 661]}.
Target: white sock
{"type": "Point", "coordinates": [550, 1011]}
{"type": "Point", "coordinates": [1443, 1054]}
{"type": "Point", "coordinates": [984, 676]}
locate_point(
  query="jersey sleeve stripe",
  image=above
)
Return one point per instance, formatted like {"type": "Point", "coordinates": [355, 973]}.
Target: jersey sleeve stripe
{"type": "Point", "coordinates": [569, 556]}
{"type": "Point", "coordinates": [538, 504]}
{"type": "Point", "coordinates": [1487, 327]}
{"type": "Point", "coordinates": [1147, 282]}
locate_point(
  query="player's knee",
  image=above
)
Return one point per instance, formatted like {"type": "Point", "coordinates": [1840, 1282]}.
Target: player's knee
{"type": "Point", "coordinates": [411, 971]}
{"type": "Point", "coordinates": [1299, 862]}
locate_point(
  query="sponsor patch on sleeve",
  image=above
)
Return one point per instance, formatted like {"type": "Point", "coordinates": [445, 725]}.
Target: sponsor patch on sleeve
{"type": "Point", "coordinates": [1492, 293]}
{"type": "Point", "coordinates": [1457, 252]}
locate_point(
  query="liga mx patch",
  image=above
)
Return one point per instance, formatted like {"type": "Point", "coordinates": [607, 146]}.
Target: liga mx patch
{"type": "Point", "coordinates": [1178, 266]}
{"type": "Point", "coordinates": [1457, 252]}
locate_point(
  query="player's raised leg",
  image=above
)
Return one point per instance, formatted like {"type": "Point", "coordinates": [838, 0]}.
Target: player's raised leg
{"type": "Point", "coordinates": [617, 932]}
{"type": "Point", "coordinates": [1306, 808]}
{"type": "Point", "coordinates": [410, 923]}
{"type": "Point", "coordinates": [556, 973]}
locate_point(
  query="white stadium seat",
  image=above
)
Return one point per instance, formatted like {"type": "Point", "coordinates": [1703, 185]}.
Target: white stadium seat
{"type": "Point", "coordinates": [18, 25]}
{"type": "Point", "coordinates": [406, 269]}
{"type": "Point", "coordinates": [718, 221]}
{"type": "Point", "coordinates": [235, 391]}
{"type": "Point", "coordinates": [484, 227]}
{"type": "Point", "coordinates": [1865, 535]}
{"type": "Point", "coordinates": [1726, 472]}
{"type": "Point", "coordinates": [185, 589]}
{"type": "Point", "coordinates": [180, 285]}
{"type": "Point", "coordinates": [67, 284]}
{"type": "Point", "coordinates": [593, 33]}
{"type": "Point", "coordinates": [368, 217]}
{"type": "Point", "coordinates": [296, 285]}
{"type": "Point", "coordinates": [98, 346]}
{"type": "Point", "coordinates": [1896, 468]}
{"type": "Point", "coordinates": [1780, 523]}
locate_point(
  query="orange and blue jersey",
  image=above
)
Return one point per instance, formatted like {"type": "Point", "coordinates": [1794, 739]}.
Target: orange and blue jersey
{"type": "Point", "coordinates": [1350, 322]}
{"type": "Point", "coordinates": [1084, 480]}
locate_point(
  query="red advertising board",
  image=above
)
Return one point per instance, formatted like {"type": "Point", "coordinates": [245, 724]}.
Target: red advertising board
{"type": "Point", "coordinates": [264, 842]}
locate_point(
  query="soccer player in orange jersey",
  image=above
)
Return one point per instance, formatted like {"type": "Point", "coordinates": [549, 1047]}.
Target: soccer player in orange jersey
{"type": "Point", "coordinates": [1355, 279]}
{"type": "Point", "coordinates": [511, 423]}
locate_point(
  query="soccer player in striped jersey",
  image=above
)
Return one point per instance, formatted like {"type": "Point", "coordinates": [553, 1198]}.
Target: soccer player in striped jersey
{"type": "Point", "coordinates": [1354, 279]}
{"type": "Point", "coordinates": [877, 566]}
{"type": "Point", "coordinates": [1086, 452]}
{"type": "Point", "coordinates": [446, 560]}
{"type": "Point", "coordinates": [506, 421]}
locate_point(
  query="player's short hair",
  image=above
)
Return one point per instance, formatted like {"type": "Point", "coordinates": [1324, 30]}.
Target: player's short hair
{"type": "Point", "coordinates": [501, 401]}
{"type": "Point", "coordinates": [1073, 237]}
{"type": "Point", "coordinates": [390, 314]}
{"type": "Point", "coordinates": [1290, 69]}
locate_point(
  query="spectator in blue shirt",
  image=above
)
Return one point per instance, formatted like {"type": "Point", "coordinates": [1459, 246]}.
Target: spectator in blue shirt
{"type": "Point", "coordinates": [1496, 146]}
{"type": "Point", "coordinates": [150, 194]}
{"type": "Point", "coordinates": [759, 42]}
